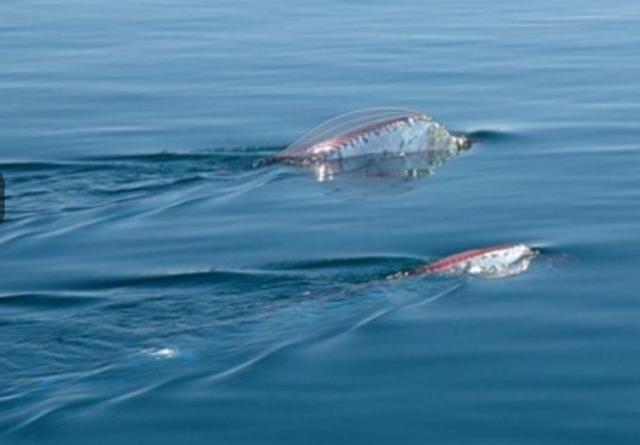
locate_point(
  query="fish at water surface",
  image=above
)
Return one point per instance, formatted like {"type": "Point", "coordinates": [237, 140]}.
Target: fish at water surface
{"type": "Point", "coordinates": [375, 142]}
{"type": "Point", "coordinates": [487, 262]}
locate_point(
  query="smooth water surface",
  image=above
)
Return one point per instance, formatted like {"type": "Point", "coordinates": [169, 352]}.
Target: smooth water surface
{"type": "Point", "coordinates": [157, 286]}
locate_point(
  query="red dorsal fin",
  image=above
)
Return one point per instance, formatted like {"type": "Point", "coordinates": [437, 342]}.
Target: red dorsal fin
{"type": "Point", "coordinates": [347, 126]}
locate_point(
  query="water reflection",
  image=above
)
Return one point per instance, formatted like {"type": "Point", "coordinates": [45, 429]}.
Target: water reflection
{"type": "Point", "coordinates": [412, 165]}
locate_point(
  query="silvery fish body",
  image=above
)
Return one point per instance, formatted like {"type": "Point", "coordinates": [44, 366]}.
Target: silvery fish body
{"type": "Point", "coordinates": [488, 262]}
{"type": "Point", "coordinates": [364, 139]}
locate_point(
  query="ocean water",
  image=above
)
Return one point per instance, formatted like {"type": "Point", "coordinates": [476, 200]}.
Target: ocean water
{"type": "Point", "coordinates": [158, 287]}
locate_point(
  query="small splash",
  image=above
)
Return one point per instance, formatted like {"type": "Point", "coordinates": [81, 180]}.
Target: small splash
{"type": "Point", "coordinates": [163, 353]}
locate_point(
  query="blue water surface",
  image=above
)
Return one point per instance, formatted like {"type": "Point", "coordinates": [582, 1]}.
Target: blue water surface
{"type": "Point", "coordinates": [157, 287]}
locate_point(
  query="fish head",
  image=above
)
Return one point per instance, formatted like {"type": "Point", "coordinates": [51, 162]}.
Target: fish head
{"type": "Point", "coordinates": [462, 143]}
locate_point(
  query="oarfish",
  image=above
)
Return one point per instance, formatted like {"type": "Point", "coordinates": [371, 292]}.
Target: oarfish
{"type": "Point", "coordinates": [366, 138]}
{"type": "Point", "coordinates": [489, 262]}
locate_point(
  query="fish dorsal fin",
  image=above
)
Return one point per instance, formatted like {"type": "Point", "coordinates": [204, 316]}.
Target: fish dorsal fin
{"type": "Point", "coordinates": [348, 123]}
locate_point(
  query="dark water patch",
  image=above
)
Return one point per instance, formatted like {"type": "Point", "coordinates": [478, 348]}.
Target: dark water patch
{"type": "Point", "coordinates": [45, 166]}
{"type": "Point", "coordinates": [189, 278]}
{"type": "Point", "coordinates": [47, 301]}
{"type": "Point", "coordinates": [156, 186]}
{"type": "Point", "coordinates": [342, 265]}
{"type": "Point", "coordinates": [488, 136]}
{"type": "Point", "coordinates": [225, 155]}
